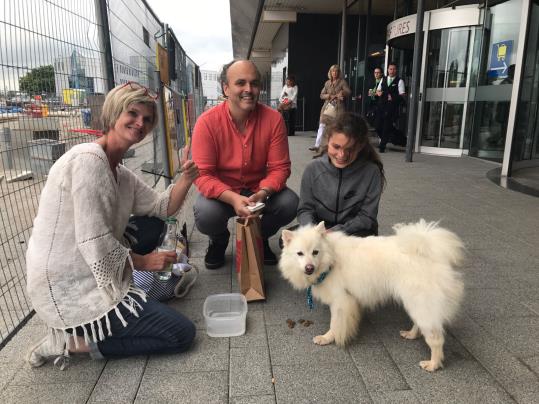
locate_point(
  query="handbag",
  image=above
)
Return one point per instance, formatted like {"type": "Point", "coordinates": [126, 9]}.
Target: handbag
{"type": "Point", "coordinates": [330, 110]}
{"type": "Point", "coordinates": [142, 235]}
{"type": "Point", "coordinates": [184, 275]}
{"type": "Point", "coordinates": [250, 258]}
{"type": "Point", "coordinates": [285, 105]}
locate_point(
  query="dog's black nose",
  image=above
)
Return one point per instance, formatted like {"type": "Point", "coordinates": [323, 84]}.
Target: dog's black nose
{"type": "Point", "coordinates": [309, 269]}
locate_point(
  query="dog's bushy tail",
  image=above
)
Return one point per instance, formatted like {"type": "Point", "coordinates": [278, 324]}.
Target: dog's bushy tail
{"type": "Point", "coordinates": [429, 240]}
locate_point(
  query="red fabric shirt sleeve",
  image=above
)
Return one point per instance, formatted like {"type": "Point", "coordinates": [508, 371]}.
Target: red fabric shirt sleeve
{"type": "Point", "coordinates": [229, 160]}
{"type": "Point", "coordinates": [205, 154]}
{"type": "Point", "coordinates": [278, 163]}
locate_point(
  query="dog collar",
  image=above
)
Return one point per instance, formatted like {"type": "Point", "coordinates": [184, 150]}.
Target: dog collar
{"type": "Point", "coordinates": [320, 279]}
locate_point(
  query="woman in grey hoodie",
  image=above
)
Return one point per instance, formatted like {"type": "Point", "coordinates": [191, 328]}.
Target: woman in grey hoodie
{"type": "Point", "coordinates": [342, 187]}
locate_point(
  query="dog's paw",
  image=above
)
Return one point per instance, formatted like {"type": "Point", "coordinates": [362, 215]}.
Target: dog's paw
{"type": "Point", "coordinates": [410, 334]}
{"type": "Point", "coordinates": [322, 340]}
{"type": "Point", "coordinates": [429, 366]}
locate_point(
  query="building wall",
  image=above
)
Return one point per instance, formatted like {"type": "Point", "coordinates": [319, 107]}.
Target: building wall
{"type": "Point", "coordinates": [313, 48]}
{"type": "Point", "coordinates": [279, 65]}
{"type": "Point", "coordinates": [88, 71]}
{"type": "Point", "coordinates": [210, 84]}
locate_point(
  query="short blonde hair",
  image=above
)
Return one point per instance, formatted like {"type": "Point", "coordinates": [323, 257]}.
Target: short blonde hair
{"type": "Point", "coordinates": [336, 68]}
{"type": "Point", "coordinates": [119, 99]}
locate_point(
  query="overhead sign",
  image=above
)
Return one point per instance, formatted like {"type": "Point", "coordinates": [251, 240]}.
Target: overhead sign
{"type": "Point", "coordinates": [400, 27]}
{"type": "Point", "coordinates": [500, 59]}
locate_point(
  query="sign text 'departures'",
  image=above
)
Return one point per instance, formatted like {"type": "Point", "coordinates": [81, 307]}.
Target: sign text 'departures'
{"type": "Point", "coordinates": [400, 27]}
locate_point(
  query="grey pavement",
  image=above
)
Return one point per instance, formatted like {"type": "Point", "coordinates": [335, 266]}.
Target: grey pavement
{"type": "Point", "coordinates": [492, 349]}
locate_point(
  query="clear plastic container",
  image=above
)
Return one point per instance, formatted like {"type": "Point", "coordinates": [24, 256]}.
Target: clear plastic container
{"type": "Point", "coordinates": [225, 315]}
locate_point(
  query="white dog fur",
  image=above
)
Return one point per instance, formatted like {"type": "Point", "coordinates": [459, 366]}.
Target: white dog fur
{"type": "Point", "coordinates": [414, 267]}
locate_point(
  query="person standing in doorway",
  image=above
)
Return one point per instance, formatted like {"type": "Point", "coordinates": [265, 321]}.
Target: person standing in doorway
{"type": "Point", "coordinates": [333, 93]}
{"type": "Point", "coordinates": [288, 104]}
{"type": "Point", "coordinates": [391, 91]}
{"type": "Point", "coordinates": [374, 99]}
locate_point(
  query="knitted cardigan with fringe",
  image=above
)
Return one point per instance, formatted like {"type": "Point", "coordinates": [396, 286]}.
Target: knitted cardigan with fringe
{"type": "Point", "coordinates": [78, 269]}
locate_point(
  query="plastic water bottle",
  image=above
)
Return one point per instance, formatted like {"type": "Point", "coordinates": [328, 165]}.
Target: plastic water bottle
{"type": "Point", "coordinates": [168, 243]}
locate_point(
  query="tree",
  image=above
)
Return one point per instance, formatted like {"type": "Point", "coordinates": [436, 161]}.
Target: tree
{"type": "Point", "coordinates": [38, 81]}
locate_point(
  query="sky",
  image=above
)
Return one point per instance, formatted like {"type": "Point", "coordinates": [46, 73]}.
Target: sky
{"type": "Point", "coordinates": [201, 26]}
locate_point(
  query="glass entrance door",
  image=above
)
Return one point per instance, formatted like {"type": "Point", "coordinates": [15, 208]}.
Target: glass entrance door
{"type": "Point", "coordinates": [446, 86]}
{"type": "Point", "coordinates": [526, 137]}
{"type": "Point", "coordinates": [490, 95]}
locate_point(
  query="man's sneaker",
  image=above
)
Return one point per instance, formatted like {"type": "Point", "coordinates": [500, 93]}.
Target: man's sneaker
{"type": "Point", "coordinates": [215, 254]}
{"type": "Point", "coordinates": [49, 347]}
{"type": "Point", "coordinates": [269, 256]}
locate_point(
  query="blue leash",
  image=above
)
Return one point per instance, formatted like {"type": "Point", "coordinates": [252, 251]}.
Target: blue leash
{"type": "Point", "coordinates": [320, 279]}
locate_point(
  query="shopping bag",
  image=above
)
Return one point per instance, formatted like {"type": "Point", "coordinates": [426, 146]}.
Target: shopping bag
{"type": "Point", "coordinates": [285, 105]}
{"type": "Point", "coordinates": [250, 258]}
{"type": "Point", "coordinates": [329, 110]}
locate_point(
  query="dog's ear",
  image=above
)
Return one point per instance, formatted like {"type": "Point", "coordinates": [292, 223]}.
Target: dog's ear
{"type": "Point", "coordinates": [321, 227]}
{"type": "Point", "coordinates": [287, 236]}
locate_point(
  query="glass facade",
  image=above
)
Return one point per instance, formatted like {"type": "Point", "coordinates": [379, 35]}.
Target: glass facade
{"type": "Point", "coordinates": [525, 151]}
{"type": "Point", "coordinates": [449, 55]}
{"type": "Point", "coordinates": [492, 90]}
{"type": "Point", "coordinates": [467, 80]}
{"type": "Point", "coordinates": [362, 56]}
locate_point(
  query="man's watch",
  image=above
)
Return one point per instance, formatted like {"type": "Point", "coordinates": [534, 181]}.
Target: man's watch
{"type": "Point", "coordinates": [267, 191]}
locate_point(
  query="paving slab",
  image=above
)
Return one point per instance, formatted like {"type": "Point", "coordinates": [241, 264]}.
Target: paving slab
{"type": "Point", "coordinates": [81, 369]}
{"type": "Point", "coordinates": [207, 354]}
{"type": "Point", "coordinates": [7, 371]}
{"type": "Point", "coordinates": [488, 304]}
{"type": "Point", "coordinates": [491, 348]}
{"type": "Point", "coordinates": [395, 397]}
{"type": "Point", "coordinates": [267, 399]}
{"type": "Point", "coordinates": [295, 346]}
{"type": "Point", "coordinates": [317, 382]}
{"type": "Point", "coordinates": [255, 332]}
{"type": "Point", "coordinates": [188, 388]}
{"type": "Point", "coordinates": [518, 334]}
{"type": "Point", "coordinates": [119, 381]}
{"type": "Point", "coordinates": [47, 393]}
{"type": "Point", "coordinates": [250, 372]}
{"type": "Point", "coordinates": [377, 368]}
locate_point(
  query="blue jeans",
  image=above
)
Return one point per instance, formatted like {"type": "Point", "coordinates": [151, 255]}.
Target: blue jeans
{"type": "Point", "coordinates": [158, 329]}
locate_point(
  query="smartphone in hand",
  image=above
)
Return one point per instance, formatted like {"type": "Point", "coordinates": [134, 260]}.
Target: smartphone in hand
{"type": "Point", "coordinates": [257, 207]}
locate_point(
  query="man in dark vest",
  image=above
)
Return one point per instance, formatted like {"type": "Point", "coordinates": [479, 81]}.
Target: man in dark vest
{"type": "Point", "coordinates": [391, 93]}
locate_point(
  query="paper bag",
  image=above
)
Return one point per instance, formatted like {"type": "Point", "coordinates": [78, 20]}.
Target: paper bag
{"type": "Point", "coordinates": [250, 259]}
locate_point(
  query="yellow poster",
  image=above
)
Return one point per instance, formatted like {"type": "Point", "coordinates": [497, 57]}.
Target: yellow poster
{"type": "Point", "coordinates": [171, 129]}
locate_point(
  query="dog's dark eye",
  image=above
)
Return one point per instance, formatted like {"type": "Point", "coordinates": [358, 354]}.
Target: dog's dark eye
{"type": "Point", "coordinates": [300, 253]}
{"type": "Point", "coordinates": [315, 252]}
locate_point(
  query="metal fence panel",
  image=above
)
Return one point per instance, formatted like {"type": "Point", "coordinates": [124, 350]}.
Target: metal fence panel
{"type": "Point", "coordinates": [52, 83]}
{"type": "Point", "coordinates": [50, 59]}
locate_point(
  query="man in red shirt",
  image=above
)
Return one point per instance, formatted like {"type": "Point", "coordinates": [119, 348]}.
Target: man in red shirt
{"type": "Point", "coordinates": [241, 150]}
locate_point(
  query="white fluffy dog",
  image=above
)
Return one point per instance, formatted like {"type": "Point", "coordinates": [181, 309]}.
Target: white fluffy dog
{"type": "Point", "coordinates": [413, 267]}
